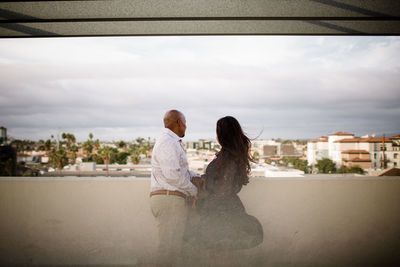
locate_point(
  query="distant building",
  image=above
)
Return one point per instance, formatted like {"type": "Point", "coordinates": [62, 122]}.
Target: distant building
{"type": "Point", "coordinates": [3, 136]}
{"type": "Point", "coordinates": [346, 150]}
{"type": "Point", "coordinates": [360, 158]}
{"type": "Point", "coordinates": [265, 148]}
{"type": "Point", "coordinates": [202, 144]}
{"type": "Point", "coordinates": [87, 166]}
{"type": "Point", "coordinates": [272, 148]}
{"type": "Point", "coordinates": [288, 150]}
{"type": "Point", "coordinates": [270, 151]}
{"type": "Point", "coordinates": [383, 152]}
{"type": "Point", "coordinates": [317, 149]}
{"type": "Point", "coordinates": [191, 145]}
{"type": "Point", "coordinates": [335, 151]}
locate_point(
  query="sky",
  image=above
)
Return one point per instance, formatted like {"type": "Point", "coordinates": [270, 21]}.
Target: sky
{"type": "Point", "coordinates": [119, 88]}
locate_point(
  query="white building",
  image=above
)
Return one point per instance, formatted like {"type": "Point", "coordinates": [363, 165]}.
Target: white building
{"type": "Point", "coordinates": [334, 150]}
{"type": "Point", "coordinates": [380, 149]}
{"type": "Point", "coordinates": [317, 149]}
{"type": "Point", "coordinates": [267, 170]}
{"type": "Point", "coordinates": [345, 149]}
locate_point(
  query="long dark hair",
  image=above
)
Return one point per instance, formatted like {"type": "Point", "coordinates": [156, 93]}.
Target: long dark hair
{"type": "Point", "coordinates": [235, 145]}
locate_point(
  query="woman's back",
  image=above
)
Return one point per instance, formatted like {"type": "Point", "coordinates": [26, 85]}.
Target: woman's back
{"type": "Point", "coordinates": [222, 222]}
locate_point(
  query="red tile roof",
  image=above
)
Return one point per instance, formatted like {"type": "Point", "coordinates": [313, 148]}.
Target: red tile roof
{"type": "Point", "coordinates": [396, 136]}
{"type": "Point", "coordinates": [342, 133]}
{"type": "Point", "coordinates": [364, 140]}
{"type": "Point", "coordinates": [355, 152]}
{"type": "Point", "coordinates": [359, 160]}
{"type": "Point", "coordinates": [318, 140]}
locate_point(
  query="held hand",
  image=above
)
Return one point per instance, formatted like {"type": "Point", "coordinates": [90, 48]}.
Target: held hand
{"type": "Point", "coordinates": [193, 199]}
{"type": "Point", "coordinates": [198, 182]}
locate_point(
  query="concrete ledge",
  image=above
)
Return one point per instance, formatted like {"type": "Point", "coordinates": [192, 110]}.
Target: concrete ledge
{"type": "Point", "coordinates": [107, 222]}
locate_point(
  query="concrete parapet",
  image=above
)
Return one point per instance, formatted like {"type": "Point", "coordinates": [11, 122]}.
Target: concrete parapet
{"type": "Point", "coordinates": [107, 221]}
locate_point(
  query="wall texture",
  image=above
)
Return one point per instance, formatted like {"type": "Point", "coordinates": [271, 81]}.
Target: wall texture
{"type": "Point", "coordinates": [107, 221]}
{"type": "Point", "coordinates": [198, 17]}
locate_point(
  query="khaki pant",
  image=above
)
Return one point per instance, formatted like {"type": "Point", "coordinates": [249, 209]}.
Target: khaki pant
{"type": "Point", "coordinates": [171, 214]}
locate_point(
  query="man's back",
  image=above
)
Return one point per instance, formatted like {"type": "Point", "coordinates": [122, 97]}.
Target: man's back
{"type": "Point", "coordinates": [169, 165]}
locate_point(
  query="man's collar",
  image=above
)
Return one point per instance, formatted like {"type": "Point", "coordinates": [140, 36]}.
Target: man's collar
{"type": "Point", "coordinates": [172, 134]}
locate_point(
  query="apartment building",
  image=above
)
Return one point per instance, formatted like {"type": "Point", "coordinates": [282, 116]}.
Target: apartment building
{"type": "Point", "coordinates": [346, 150]}
{"type": "Point", "coordinates": [272, 148]}
{"type": "Point", "coordinates": [317, 149]}
{"type": "Point", "coordinates": [383, 151]}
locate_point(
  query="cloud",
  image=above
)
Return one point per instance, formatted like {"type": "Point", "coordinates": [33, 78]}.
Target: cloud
{"type": "Point", "coordinates": [119, 88]}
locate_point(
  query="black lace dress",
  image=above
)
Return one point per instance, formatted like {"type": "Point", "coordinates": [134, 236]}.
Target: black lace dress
{"type": "Point", "coordinates": [220, 221]}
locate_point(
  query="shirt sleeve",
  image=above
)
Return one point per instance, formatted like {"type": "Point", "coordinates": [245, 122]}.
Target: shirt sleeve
{"type": "Point", "coordinates": [192, 173]}
{"type": "Point", "coordinates": [174, 169]}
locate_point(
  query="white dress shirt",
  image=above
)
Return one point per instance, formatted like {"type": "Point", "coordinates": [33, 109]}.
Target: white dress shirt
{"type": "Point", "coordinates": [169, 166]}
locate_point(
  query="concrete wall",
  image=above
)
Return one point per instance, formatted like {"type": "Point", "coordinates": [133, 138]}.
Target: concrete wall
{"type": "Point", "coordinates": [107, 221]}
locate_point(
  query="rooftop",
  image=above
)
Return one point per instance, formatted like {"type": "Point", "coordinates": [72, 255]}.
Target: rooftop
{"type": "Point", "coordinates": [355, 152]}
{"type": "Point", "coordinates": [341, 133]}
{"type": "Point", "coordinates": [318, 221]}
{"type": "Point", "coordinates": [365, 140]}
{"type": "Point", "coordinates": [359, 160]}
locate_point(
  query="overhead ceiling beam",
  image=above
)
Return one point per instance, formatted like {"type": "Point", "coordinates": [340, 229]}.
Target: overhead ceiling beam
{"type": "Point", "coordinates": [198, 17]}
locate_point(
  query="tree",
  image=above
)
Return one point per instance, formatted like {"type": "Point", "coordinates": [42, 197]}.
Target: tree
{"type": "Point", "coordinates": [342, 169]}
{"type": "Point", "coordinates": [326, 166]}
{"type": "Point", "coordinates": [69, 137]}
{"type": "Point", "coordinates": [106, 153]}
{"type": "Point", "coordinates": [58, 158]}
{"type": "Point", "coordinates": [47, 145]}
{"type": "Point", "coordinates": [87, 148]}
{"type": "Point", "coordinates": [297, 163]}
{"type": "Point", "coordinates": [122, 144]}
{"type": "Point", "coordinates": [121, 157]}
{"type": "Point", "coordinates": [74, 149]}
{"type": "Point", "coordinates": [356, 169]}
{"type": "Point", "coordinates": [140, 140]}
{"type": "Point", "coordinates": [352, 169]}
{"type": "Point", "coordinates": [256, 156]}
{"type": "Point", "coordinates": [135, 158]}
{"type": "Point", "coordinates": [97, 144]}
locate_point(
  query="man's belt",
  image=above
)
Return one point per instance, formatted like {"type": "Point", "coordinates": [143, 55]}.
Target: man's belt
{"type": "Point", "coordinates": [168, 192]}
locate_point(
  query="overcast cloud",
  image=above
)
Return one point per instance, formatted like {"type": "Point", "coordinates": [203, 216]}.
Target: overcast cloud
{"type": "Point", "coordinates": [120, 88]}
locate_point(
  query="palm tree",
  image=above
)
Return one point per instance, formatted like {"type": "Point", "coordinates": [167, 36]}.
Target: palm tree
{"type": "Point", "coordinates": [106, 153]}
{"type": "Point", "coordinates": [47, 145]}
{"type": "Point", "coordinates": [135, 157]}
{"type": "Point", "coordinates": [59, 159]}
{"type": "Point", "coordinates": [74, 149]}
{"type": "Point", "coordinates": [122, 144]}
{"type": "Point", "coordinates": [87, 148]}
{"type": "Point", "coordinates": [69, 137]}
{"type": "Point", "coordinates": [97, 144]}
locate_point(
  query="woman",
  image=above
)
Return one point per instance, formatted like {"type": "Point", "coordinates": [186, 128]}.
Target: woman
{"type": "Point", "coordinates": [221, 222]}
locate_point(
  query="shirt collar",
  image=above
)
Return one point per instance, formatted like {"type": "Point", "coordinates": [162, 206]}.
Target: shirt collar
{"type": "Point", "coordinates": [172, 134]}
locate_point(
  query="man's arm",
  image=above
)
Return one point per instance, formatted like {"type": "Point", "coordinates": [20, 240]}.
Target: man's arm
{"type": "Point", "coordinates": [194, 174]}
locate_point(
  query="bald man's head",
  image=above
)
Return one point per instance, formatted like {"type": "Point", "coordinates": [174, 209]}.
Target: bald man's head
{"type": "Point", "coordinates": [175, 121]}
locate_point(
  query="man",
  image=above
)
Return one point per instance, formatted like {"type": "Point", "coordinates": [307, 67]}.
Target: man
{"type": "Point", "coordinates": [171, 186]}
